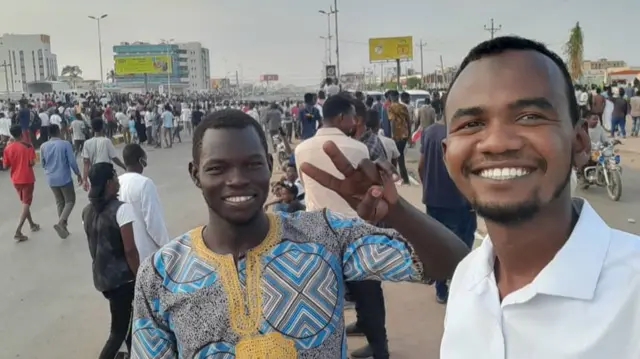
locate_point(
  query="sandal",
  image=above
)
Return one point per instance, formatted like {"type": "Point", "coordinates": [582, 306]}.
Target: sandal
{"type": "Point", "coordinates": [20, 238]}
{"type": "Point", "coordinates": [35, 227]}
{"type": "Point", "coordinates": [62, 232]}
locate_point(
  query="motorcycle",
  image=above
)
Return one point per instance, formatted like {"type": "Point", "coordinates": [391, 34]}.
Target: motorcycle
{"type": "Point", "coordinates": [604, 170]}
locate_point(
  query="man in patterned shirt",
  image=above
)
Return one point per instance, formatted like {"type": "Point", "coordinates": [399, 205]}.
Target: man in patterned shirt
{"type": "Point", "coordinates": [252, 285]}
{"type": "Point", "coordinates": [365, 135]}
{"type": "Point", "coordinates": [400, 124]}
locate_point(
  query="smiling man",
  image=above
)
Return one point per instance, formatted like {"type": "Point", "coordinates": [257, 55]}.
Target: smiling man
{"type": "Point", "coordinates": [552, 279]}
{"type": "Point", "coordinates": [256, 285]}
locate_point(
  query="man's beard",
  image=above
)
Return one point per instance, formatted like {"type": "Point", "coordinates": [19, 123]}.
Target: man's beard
{"type": "Point", "coordinates": [515, 214]}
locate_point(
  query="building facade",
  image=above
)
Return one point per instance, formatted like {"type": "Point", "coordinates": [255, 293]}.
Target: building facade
{"type": "Point", "coordinates": [595, 72]}
{"type": "Point", "coordinates": [196, 59]}
{"type": "Point", "coordinates": [25, 59]}
{"type": "Point", "coordinates": [189, 63]}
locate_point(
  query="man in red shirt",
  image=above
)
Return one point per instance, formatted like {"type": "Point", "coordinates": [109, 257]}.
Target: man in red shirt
{"type": "Point", "coordinates": [20, 157]}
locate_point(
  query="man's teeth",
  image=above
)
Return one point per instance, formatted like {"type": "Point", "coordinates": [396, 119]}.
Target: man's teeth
{"type": "Point", "coordinates": [503, 174]}
{"type": "Point", "coordinates": [238, 199]}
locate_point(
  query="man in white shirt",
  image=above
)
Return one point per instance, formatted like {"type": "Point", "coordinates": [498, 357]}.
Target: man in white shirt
{"type": "Point", "coordinates": [335, 127]}
{"type": "Point", "coordinates": [44, 125]}
{"type": "Point", "coordinates": [98, 149]}
{"type": "Point", "coordinates": [339, 121]}
{"type": "Point", "coordinates": [123, 121]}
{"type": "Point", "coordinates": [320, 101]}
{"type": "Point", "coordinates": [330, 88]}
{"type": "Point", "coordinates": [551, 279]}
{"type": "Point", "coordinates": [150, 231]}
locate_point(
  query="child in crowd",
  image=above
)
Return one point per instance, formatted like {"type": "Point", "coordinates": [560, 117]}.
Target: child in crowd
{"type": "Point", "coordinates": [286, 198]}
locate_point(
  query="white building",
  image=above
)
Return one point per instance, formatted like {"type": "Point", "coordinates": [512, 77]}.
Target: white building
{"type": "Point", "coordinates": [25, 59]}
{"type": "Point", "coordinates": [196, 59]}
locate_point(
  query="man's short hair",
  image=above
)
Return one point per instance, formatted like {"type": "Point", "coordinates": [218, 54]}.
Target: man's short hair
{"type": "Point", "coordinates": [223, 119]}
{"type": "Point", "coordinates": [132, 153]}
{"type": "Point", "coordinates": [337, 105]}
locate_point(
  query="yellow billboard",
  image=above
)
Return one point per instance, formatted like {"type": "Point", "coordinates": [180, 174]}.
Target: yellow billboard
{"type": "Point", "coordinates": [391, 48]}
{"type": "Point", "coordinates": [131, 65]}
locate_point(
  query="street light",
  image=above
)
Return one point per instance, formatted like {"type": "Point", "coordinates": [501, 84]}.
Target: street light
{"type": "Point", "coordinates": [328, 37]}
{"type": "Point", "coordinates": [97, 19]}
{"type": "Point", "coordinates": [327, 49]}
{"type": "Point", "coordinates": [170, 65]}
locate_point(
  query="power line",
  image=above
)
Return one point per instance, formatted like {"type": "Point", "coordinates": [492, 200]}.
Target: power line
{"type": "Point", "coordinates": [493, 29]}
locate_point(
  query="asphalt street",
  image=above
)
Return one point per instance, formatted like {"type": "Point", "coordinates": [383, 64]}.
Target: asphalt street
{"type": "Point", "coordinates": [49, 308]}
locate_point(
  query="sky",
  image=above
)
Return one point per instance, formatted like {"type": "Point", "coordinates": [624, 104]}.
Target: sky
{"type": "Point", "coordinates": [283, 36]}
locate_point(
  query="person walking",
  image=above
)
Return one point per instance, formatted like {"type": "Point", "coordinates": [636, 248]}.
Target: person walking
{"type": "Point", "coordinates": [140, 191]}
{"type": "Point", "coordinates": [19, 157]}
{"type": "Point", "coordinates": [108, 224]}
{"type": "Point", "coordinates": [58, 160]}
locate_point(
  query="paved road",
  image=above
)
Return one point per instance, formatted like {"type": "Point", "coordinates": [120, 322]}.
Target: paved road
{"type": "Point", "coordinates": [49, 305]}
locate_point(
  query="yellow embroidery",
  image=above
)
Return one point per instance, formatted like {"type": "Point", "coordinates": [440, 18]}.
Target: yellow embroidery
{"type": "Point", "coordinates": [246, 322]}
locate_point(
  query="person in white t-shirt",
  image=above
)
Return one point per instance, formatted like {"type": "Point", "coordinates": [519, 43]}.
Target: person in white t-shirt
{"type": "Point", "coordinates": [150, 231]}
{"type": "Point", "coordinates": [44, 125]}
{"type": "Point", "coordinates": [330, 88]}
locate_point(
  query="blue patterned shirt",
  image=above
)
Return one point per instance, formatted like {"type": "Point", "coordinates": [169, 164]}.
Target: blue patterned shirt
{"type": "Point", "coordinates": [283, 300]}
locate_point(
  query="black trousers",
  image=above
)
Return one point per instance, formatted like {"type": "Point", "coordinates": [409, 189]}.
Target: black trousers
{"type": "Point", "coordinates": [371, 314]}
{"type": "Point", "coordinates": [120, 304]}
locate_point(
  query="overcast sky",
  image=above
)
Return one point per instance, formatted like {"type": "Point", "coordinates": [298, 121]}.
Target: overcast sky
{"type": "Point", "coordinates": [282, 36]}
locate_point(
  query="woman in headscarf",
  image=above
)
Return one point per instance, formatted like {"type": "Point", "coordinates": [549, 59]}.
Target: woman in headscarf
{"type": "Point", "coordinates": [108, 224]}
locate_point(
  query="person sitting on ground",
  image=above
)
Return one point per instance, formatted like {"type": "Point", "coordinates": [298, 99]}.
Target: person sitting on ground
{"type": "Point", "coordinates": [286, 198]}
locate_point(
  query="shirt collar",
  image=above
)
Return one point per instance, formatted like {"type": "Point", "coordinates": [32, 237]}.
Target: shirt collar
{"type": "Point", "coordinates": [575, 269]}
{"type": "Point", "coordinates": [329, 131]}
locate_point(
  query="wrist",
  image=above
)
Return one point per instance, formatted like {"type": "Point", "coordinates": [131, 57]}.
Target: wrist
{"type": "Point", "coordinates": [397, 212]}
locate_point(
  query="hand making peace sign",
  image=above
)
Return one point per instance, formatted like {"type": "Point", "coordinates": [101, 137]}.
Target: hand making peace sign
{"type": "Point", "coordinates": [369, 188]}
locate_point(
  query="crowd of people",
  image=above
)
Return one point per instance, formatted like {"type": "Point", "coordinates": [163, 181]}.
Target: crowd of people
{"type": "Point", "coordinates": [271, 279]}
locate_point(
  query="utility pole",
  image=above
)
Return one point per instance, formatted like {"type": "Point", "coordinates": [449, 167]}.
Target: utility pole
{"type": "Point", "coordinates": [442, 69]}
{"type": "Point", "coordinates": [6, 77]}
{"type": "Point", "coordinates": [493, 29]}
{"type": "Point", "coordinates": [97, 19]}
{"type": "Point", "coordinates": [335, 9]}
{"type": "Point", "coordinates": [422, 44]}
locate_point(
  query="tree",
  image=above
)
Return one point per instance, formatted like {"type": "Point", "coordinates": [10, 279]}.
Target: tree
{"type": "Point", "coordinates": [574, 51]}
{"type": "Point", "coordinates": [73, 72]}
{"type": "Point", "coordinates": [413, 82]}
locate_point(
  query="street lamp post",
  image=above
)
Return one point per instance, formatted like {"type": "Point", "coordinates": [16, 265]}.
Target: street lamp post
{"type": "Point", "coordinates": [335, 14]}
{"type": "Point", "coordinates": [97, 19]}
{"type": "Point", "coordinates": [170, 67]}
{"type": "Point", "coordinates": [328, 37]}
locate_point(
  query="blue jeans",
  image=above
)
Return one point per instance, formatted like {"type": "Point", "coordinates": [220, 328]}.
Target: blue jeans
{"type": "Point", "coordinates": [460, 221]}
{"type": "Point", "coordinates": [618, 122]}
{"type": "Point", "coordinates": [635, 125]}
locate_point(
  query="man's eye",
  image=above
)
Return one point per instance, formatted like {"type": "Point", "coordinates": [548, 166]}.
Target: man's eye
{"type": "Point", "coordinates": [471, 124]}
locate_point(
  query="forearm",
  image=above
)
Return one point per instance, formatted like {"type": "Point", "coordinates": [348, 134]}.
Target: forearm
{"type": "Point", "coordinates": [439, 249]}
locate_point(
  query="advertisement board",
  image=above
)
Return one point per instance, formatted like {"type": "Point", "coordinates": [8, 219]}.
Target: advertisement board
{"type": "Point", "coordinates": [159, 64]}
{"type": "Point", "coordinates": [390, 48]}
{"type": "Point", "coordinates": [268, 78]}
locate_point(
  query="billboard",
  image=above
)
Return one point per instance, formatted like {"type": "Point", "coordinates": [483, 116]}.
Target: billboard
{"type": "Point", "coordinates": [390, 48]}
{"type": "Point", "coordinates": [220, 83]}
{"type": "Point", "coordinates": [268, 78]}
{"type": "Point", "coordinates": [159, 64]}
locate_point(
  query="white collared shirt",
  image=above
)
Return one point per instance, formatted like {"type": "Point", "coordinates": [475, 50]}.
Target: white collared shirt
{"type": "Point", "coordinates": [585, 304]}
{"type": "Point", "coordinates": [310, 150]}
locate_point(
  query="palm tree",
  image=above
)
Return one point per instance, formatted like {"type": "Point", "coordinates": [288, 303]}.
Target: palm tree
{"type": "Point", "coordinates": [574, 51]}
{"type": "Point", "coordinates": [73, 72]}
{"type": "Point", "coordinates": [111, 76]}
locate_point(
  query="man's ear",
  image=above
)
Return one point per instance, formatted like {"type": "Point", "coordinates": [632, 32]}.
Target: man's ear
{"type": "Point", "coordinates": [270, 162]}
{"type": "Point", "coordinates": [581, 143]}
{"type": "Point", "coordinates": [193, 172]}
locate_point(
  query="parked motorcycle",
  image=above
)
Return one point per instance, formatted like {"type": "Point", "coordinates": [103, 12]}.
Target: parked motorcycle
{"type": "Point", "coordinates": [604, 170]}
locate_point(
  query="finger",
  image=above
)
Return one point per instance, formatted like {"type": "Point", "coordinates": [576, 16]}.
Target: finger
{"type": "Point", "coordinates": [367, 207]}
{"type": "Point", "coordinates": [370, 170]}
{"type": "Point", "coordinates": [323, 178]}
{"type": "Point", "coordinates": [388, 168]}
{"type": "Point", "coordinates": [338, 158]}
